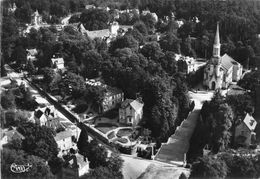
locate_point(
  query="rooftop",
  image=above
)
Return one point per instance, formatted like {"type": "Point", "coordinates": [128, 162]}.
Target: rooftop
{"type": "Point", "coordinates": [63, 135]}
{"type": "Point", "coordinates": [227, 62]}
{"type": "Point", "coordinates": [250, 122]}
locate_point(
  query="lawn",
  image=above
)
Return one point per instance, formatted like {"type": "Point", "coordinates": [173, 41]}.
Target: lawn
{"type": "Point", "coordinates": [105, 127]}
{"type": "Point", "coordinates": [124, 132]}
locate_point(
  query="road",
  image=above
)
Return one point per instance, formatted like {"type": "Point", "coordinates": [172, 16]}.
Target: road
{"type": "Point", "coordinates": [178, 144]}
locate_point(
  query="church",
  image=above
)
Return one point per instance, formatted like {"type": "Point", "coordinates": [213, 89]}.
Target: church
{"type": "Point", "coordinates": [220, 71]}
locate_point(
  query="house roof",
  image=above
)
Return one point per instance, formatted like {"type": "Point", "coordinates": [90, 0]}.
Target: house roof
{"type": "Point", "coordinates": [13, 134]}
{"type": "Point", "coordinates": [38, 113]}
{"type": "Point", "coordinates": [98, 33]}
{"type": "Point", "coordinates": [235, 90]}
{"type": "Point", "coordinates": [135, 104]}
{"type": "Point", "coordinates": [32, 51]}
{"type": "Point", "coordinates": [49, 109]}
{"type": "Point", "coordinates": [80, 161]}
{"type": "Point", "coordinates": [126, 102]}
{"type": "Point", "coordinates": [63, 135]}
{"type": "Point", "coordinates": [250, 122]}
{"type": "Point", "coordinates": [57, 60]}
{"type": "Point", "coordinates": [227, 62]}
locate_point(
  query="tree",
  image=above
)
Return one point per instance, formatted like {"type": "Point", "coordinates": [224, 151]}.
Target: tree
{"type": "Point", "coordinates": [101, 173]}
{"type": "Point", "coordinates": [250, 81]}
{"type": "Point", "coordinates": [19, 55]}
{"type": "Point", "coordinates": [82, 143]}
{"type": "Point", "coordinates": [26, 101]}
{"type": "Point", "coordinates": [239, 165]}
{"type": "Point", "coordinates": [8, 100]}
{"type": "Point", "coordinates": [72, 84]}
{"type": "Point", "coordinates": [39, 140]}
{"type": "Point", "coordinates": [187, 49]}
{"type": "Point", "coordinates": [92, 61]}
{"type": "Point", "coordinates": [31, 68]}
{"type": "Point", "coordinates": [111, 169]}
{"type": "Point", "coordinates": [127, 41]}
{"type": "Point", "coordinates": [96, 154]}
{"type": "Point", "coordinates": [152, 51]}
{"type": "Point", "coordinates": [95, 19]}
{"type": "Point", "coordinates": [55, 164]}
{"type": "Point", "coordinates": [170, 42]}
{"type": "Point", "coordinates": [208, 167]}
{"type": "Point", "coordinates": [149, 21]}
{"type": "Point", "coordinates": [38, 169]}
{"type": "Point", "coordinates": [141, 27]}
{"type": "Point", "coordinates": [48, 74]}
{"type": "Point", "coordinates": [115, 164]}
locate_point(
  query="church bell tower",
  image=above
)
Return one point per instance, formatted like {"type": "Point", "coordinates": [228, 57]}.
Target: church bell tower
{"type": "Point", "coordinates": [216, 46]}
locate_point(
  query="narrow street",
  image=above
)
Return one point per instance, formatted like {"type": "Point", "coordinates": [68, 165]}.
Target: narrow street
{"type": "Point", "coordinates": [178, 144]}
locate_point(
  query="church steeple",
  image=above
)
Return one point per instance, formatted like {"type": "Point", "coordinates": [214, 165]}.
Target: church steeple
{"type": "Point", "coordinates": [216, 46]}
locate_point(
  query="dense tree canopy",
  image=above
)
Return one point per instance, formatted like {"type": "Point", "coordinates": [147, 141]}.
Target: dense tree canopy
{"type": "Point", "coordinates": [39, 168]}
{"type": "Point", "coordinates": [39, 140]}
{"type": "Point", "coordinates": [95, 19]}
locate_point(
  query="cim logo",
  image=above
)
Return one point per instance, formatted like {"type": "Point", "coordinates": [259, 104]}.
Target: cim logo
{"type": "Point", "coordinates": [20, 168]}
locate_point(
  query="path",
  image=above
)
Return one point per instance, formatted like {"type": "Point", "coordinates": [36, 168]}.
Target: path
{"type": "Point", "coordinates": [178, 144]}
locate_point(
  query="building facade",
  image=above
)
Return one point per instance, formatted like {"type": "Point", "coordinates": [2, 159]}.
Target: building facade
{"type": "Point", "coordinates": [220, 71]}
{"type": "Point", "coordinates": [245, 131]}
{"type": "Point", "coordinates": [131, 112]}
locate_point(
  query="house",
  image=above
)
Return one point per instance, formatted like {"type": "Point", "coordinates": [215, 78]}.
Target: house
{"type": "Point", "coordinates": [244, 131]}
{"type": "Point", "coordinates": [90, 6]}
{"type": "Point", "coordinates": [9, 135]}
{"type": "Point", "coordinates": [57, 62]}
{"type": "Point", "coordinates": [106, 34]}
{"type": "Point", "coordinates": [36, 18]}
{"type": "Point", "coordinates": [111, 97]}
{"type": "Point", "coordinates": [31, 54]}
{"type": "Point", "coordinates": [220, 71]}
{"type": "Point", "coordinates": [12, 8]}
{"type": "Point", "coordinates": [64, 140]}
{"type": "Point", "coordinates": [188, 64]}
{"type": "Point", "coordinates": [131, 112]}
{"type": "Point", "coordinates": [43, 116]}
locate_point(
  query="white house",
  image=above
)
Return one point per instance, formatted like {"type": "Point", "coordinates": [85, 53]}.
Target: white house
{"type": "Point", "coordinates": [57, 62]}
{"type": "Point", "coordinates": [31, 54]}
{"type": "Point", "coordinates": [64, 141]}
{"type": "Point", "coordinates": [131, 112]}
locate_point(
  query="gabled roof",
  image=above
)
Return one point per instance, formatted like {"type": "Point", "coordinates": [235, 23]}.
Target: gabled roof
{"type": "Point", "coordinates": [38, 113]}
{"type": "Point", "coordinates": [126, 103]}
{"type": "Point", "coordinates": [13, 134]}
{"type": "Point", "coordinates": [227, 62]}
{"type": "Point", "coordinates": [250, 122]}
{"type": "Point", "coordinates": [136, 105]}
{"type": "Point", "coordinates": [63, 135]}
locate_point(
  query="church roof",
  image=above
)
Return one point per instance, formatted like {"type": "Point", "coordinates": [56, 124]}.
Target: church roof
{"type": "Point", "coordinates": [227, 62]}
